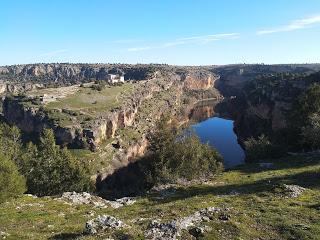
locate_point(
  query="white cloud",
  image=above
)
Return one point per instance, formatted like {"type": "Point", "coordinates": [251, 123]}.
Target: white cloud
{"type": "Point", "coordinates": [53, 53]}
{"type": "Point", "coordinates": [212, 37]}
{"type": "Point", "coordinates": [138, 49]}
{"type": "Point", "coordinates": [200, 40]}
{"type": "Point", "coordinates": [295, 25]}
{"type": "Point", "coordinates": [126, 41]}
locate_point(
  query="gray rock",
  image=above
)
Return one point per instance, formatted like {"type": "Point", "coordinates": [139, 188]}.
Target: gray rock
{"type": "Point", "coordinates": [203, 215]}
{"type": "Point", "coordinates": [101, 223]}
{"type": "Point", "coordinates": [87, 198]}
{"type": "Point", "coordinates": [293, 191]}
{"type": "Point", "coordinates": [161, 231]}
{"type": "Point", "coordinates": [170, 231]}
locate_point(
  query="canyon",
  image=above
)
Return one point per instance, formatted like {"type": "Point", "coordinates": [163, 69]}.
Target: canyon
{"type": "Point", "coordinates": [119, 135]}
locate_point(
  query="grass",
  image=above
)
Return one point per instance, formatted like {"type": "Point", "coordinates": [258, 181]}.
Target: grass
{"type": "Point", "coordinates": [257, 212]}
{"type": "Point", "coordinates": [92, 102]}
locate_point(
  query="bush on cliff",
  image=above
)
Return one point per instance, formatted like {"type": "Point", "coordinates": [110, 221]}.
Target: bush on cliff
{"type": "Point", "coordinates": [305, 119]}
{"type": "Point", "coordinates": [12, 184]}
{"type": "Point", "coordinates": [50, 170]}
{"type": "Point", "coordinates": [180, 156]}
{"type": "Point", "coordinates": [261, 148]}
{"type": "Point", "coordinates": [311, 132]}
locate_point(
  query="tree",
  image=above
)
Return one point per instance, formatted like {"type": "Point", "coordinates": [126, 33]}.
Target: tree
{"type": "Point", "coordinates": [308, 103]}
{"type": "Point", "coordinates": [12, 184]}
{"type": "Point", "coordinates": [180, 155]}
{"type": "Point", "coordinates": [50, 170]}
{"type": "Point", "coordinates": [258, 148]}
{"type": "Point", "coordinates": [305, 119]}
{"type": "Point", "coordinates": [10, 144]}
{"type": "Point", "coordinates": [311, 132]}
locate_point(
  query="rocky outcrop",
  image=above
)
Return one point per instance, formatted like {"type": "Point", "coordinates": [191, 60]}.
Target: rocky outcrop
{"type": "Point", "coordinates": [64, 73]}
{"type": "Point", "coordinates": [7, 87]}
{"type": "Point", "coordinates": [32, 118]}
{"type": "Point", "coordinates": [192, 223]}
{"type": "Point", "coordinates": [263, 105]}
{"type": "Point", "coordinates": [198, 80]}
{"type": "Point", "coordinates": [86, 198]}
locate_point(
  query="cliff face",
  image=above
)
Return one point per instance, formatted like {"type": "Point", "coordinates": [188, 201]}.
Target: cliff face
{"type": "Point", "coordinates": [134, 118]}
{"type": "Point", "coordinates": [233, 78]}
{"type": "Point", "coordinates": [266, 103]}
{"type": "Point", "coordinates": [71, 73]}
{"type": "Point", "coordinates": [198, 80]}
{"type": "Point", "coordinates": [32, 119]}
{"type": "Point", "coordinates": [7, 87]}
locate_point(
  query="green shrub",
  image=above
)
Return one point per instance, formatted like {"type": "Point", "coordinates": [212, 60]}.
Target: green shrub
{"type": "Point", "coordinates": [311, 132]}
{"type": "Point", "coordinates": [180, 156]}
{"type": "Point", "coordinates": [261, 148]}
{"type": "Point", "coordinates": [12, 184]}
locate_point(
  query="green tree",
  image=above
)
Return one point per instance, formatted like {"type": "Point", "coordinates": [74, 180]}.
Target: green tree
{"type": "Point", "coordinates": [10, 143]}
{"type": "Point", "coordinates": [12, 184]}
{"type": "Point", "coordinates": [304, 121]}
{"type": "Point", "coordinates": [180, 155]}
{"type": "Point", "coordinates": [258, 148]}
{"type": "Point", "coordinates": [308, 103]}
{"type": "Point", "coordinates": [50, 170]}
{"type": "Point", "coordinates": [311, 132]}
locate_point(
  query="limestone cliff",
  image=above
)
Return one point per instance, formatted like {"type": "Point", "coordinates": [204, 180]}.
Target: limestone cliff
{"type": "Point", "coordinates": [198, 80]}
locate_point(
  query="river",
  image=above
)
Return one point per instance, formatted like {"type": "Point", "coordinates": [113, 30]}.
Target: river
{"type": "Point", "coordinates": [218, 132]}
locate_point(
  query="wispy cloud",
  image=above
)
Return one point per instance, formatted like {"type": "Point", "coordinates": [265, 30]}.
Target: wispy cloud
{"type": "Point", "coordinates": [210, 38]}
{"type": "Point", "coordinates": [294, 25]}
{"type": "Point", "coordinates": [137, 49]}
{"type": "Point", "coordinates": [200, 40]}
{"type": "Point", "coordinates": [126, 41]}
{"type": "Point", "coordinates": [53, 53]}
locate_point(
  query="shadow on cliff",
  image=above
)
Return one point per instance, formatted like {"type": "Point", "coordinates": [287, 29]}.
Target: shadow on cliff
{"type": "Point", "coordinates": [131, 180]}
{"type": "Point", "coordinates": [307, 179]}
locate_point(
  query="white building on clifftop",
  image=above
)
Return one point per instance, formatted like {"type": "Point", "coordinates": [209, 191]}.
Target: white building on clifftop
{"type": "Point", "coordinates": [115, 78]}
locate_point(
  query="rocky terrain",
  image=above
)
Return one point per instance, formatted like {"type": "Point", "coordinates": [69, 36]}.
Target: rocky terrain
{"type": "Point", "coordinates": [107, 126]}
{"type": "Point", "coordinates": [115, 128]}
{"type": "Point", "coordinates": [278, 199]}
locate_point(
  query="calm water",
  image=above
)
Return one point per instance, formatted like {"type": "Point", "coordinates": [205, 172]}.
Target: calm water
{"type": "Point", "coordinates": [218, 132]}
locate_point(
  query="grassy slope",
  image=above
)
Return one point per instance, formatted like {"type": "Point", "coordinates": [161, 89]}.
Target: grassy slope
{"type": "Point", "coordinates": [258, 212]}
{"type": "Point", "coordinates": [92, 101]}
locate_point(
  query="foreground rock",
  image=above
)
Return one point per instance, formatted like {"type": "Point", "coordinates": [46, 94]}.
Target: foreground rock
{"type": "Point", "coordinates": [102, 223]}
{"type": "Point", "coordinates": [193, 224]}
{"type": "Point", "coordinates": [162, 231]}
{"type": "Point", "coordinates": [293, 191]}
{"type": "Point", "coordinates": [87, 198]}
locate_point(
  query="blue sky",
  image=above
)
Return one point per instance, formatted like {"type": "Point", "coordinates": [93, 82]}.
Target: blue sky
{"type": "Point", "coordinates": [182, 32]}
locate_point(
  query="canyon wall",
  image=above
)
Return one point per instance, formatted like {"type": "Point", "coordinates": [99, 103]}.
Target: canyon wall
{"type": "Point", "coordinates": [65, 73]}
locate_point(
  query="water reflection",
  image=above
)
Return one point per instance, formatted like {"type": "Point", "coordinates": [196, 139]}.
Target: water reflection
{"type": "Point", "coordinates": [218, 132]}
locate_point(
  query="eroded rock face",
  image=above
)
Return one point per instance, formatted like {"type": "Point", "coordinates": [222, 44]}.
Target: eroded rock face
{"type": "Point", "coordinates": [66, 73]}
{"type": "Point", "coordinates": [198, 80]}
